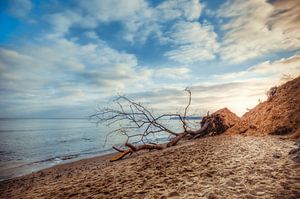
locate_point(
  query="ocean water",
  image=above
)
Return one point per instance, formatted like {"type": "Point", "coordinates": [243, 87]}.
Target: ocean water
{"type": "Point", "coordinates": [28, 145]}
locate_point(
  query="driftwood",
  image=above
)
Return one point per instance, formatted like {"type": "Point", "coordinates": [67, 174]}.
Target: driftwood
{"type": "Point", "coordinates": [137, 118]}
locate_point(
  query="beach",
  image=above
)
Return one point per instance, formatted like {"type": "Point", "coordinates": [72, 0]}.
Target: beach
{"type": "Point", "coordinates": [150, 99]}
{"type": "Point", "coordinates": [214, 167]}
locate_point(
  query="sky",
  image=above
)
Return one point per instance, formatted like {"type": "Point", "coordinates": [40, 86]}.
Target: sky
{"type": "Point", "coordinates": [66, 58]}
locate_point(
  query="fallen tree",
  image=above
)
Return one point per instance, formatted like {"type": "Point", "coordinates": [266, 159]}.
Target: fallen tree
{"type": "Point", "coordinates": [139, 123]}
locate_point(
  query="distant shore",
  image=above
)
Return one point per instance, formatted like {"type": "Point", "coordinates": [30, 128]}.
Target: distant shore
{"type": "Point", "coordinates": [215, 167]}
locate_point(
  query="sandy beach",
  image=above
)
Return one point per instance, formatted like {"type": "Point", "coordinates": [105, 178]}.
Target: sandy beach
{"type": "Point", "coordinates": [150, 99]}
{"type": "Point", "coordinates": [214, 167]}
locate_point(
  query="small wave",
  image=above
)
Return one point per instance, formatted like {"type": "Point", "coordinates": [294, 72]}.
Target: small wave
{"type": "Point", "coordinates": [6, 152]}
{"type": "Point", "coordinates": [57, 158]}
{"type": "Point", "coordinates": [61, 158]}
{"type": "Point", "coordinates": [7, 156]}
{"type": "Point", "coordinates": [86, 139]}
{"type": "Point", "coordinates": [23, 168]}
{"type": "Point", "coordinates": [75, 140]}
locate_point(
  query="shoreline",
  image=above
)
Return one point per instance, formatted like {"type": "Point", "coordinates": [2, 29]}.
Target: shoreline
{"type": "Point", "coordinates": [214, 167]}
{"type": "Point", "coordinates": [100, 158]}
{"type": "Point", "coordinates": [41, 167]}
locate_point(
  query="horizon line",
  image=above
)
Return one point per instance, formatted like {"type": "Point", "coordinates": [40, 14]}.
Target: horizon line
{"type": "Point", "coordinates": [3, 118]}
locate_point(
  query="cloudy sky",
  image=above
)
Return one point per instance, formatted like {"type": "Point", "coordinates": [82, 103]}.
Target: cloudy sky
{"type": "Point", "coordinates": [63, 58]}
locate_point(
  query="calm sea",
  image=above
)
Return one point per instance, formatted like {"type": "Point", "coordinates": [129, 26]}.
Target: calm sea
{"type": "Point", "coordinates": [28, 145]}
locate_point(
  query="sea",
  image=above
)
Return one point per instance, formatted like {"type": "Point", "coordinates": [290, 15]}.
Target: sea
{"type": "Point", "coordinates": [29, 145]}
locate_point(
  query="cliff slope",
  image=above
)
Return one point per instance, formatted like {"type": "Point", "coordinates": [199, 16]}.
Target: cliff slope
{"type": "Point", "coordinates": [278, 115]}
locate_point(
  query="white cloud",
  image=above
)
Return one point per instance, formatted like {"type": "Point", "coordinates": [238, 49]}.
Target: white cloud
{"type": "Point", "coordinates": [62, 22]}
{"type": "Point", "coordinates": [54, 71]}
{"type": "Point", "coordinates": [135, 15]}
{"type": "Point", "coordinates": [112, 10]}
{"type": "Point", "coordinates": [256, 80]}
{"type": "Point", "coordinates": [237, 91]}
{"type": "Point", "coordinates": [173, 73]}
{"type": "Point", "coordinates": [189, 10]}
{"type": "Point", "coordinates": [210, 96]}
{"type": "Point", "coordinates": [257, 28]}
{"type": "Point", "coordinates": [62, 73]}
{"type": "Point", "coordinates": [138, 18]}
{"type": "Point", "coordinates": [91, 34]}
{"type": "Point", "coordinates": [193, 42]}
{"type": "Point", "coordinates": [19, 8]}
{"type": "Point", "coordinates": [269, 71]}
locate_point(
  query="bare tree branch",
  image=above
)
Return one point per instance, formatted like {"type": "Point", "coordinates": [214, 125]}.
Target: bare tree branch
{"type": "Point", "coordinates": [137, 123]}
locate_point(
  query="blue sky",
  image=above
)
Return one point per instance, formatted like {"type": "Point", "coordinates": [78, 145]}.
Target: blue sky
{"type": "Point", "coordinates": [63, 58]}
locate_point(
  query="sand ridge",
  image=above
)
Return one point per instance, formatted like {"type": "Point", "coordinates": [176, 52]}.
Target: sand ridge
{"type": "Point", "coordinates": [279, 115]}
{"type": "Point", "coordinates": [213, 167]}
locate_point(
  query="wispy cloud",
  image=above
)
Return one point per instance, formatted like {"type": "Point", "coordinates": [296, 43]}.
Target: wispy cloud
{"type": "Point", "coordinates": [256, 28]}
{"type": "Point", "coordinates": [174, 73]}
{"type": "Point", "coordinates": [192, 42]}
{"type": "Point", "coordinates": [170, 10]}
{"type": "Point", "coordinates": [66, 72]}
{"type": "Point", "coordinates": [236, 90]}
{"type": "Point", "coordinates": [79, 54]}
{"type": "Point", "coordinates": [19, 8]}
{"type": "Point", "coordinates": [267, 71]}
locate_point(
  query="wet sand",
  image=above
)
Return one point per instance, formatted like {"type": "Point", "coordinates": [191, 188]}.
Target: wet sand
{"type": "Point", "coordinates": [215, 167]}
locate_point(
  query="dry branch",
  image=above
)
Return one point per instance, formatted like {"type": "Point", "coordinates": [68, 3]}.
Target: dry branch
{"type": "Point", "coordinates": [140, 123]}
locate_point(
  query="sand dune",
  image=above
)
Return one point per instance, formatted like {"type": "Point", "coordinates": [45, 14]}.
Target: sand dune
{"type": "Point", "coordinates": [279, 115]}
{"type": "Point", "coordinates": [213, 167]}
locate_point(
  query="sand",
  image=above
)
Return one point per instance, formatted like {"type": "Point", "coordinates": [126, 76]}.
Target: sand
{"type": "Point", "coordinates": [279, 115]}
{"type": "Point", "coordinates": [214, 167]}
